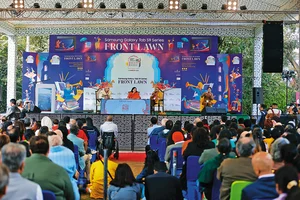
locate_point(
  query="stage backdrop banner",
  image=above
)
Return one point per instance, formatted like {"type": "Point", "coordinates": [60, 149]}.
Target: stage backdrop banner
{"type": "Point", "coordinates": [133, 43]}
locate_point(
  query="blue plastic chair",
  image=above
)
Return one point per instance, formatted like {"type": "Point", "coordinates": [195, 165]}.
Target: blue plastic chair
{"type": "Point", "coordinates": [162, 149]}
{"type": "Point", "coordinates": [92, 143]}
{"type": "Point", "coordinates": [76, 154]}
{"type": "Point", "coordinates": [216, 188]}
{"type": "Point", "coordinates": [179, 161]}
{"type": "Point", "coordinates": [154, 142]}
{"type": "Point", "coordinates": [48, 195]}
{"type": "Point", "coordinates": [192, 170]}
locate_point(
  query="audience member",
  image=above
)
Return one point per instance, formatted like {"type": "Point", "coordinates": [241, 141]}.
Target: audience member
{"type": "Point", "coordinates": [109, 126]}
{"type": "Point", "coordinates": [43, 130]}
{"type": "Point", "coordinates": [178, 139]}
{"type": "Point", "coordinates": [66, 142]}
{"type": "Point", "coordinates": [46, 121]}
{"type": "Point", "coordinates": [13, 112]}
{"type": "Point", "coordinates": [196, 120]}
{"type": "Point", "coordinates": [223, 119]}
{"type": "Point", "coordinates": [148, 169]}
{"type": "Point", "coordinates": [65, 158]}
{"type": "Point", "coordinates": [4, 178]}
{"type": "Point", "coordinates": [41, 170]}
{"type": "Point", "coordinates": [13, 156]}
{"type": "Point", "coordinates": [175, 129]}
{"type": "Point", "coordinates": [4, 139]}
{"type": "Point", "coordinates": [153, 125]}
{"type": "Point", "coordinates": [275, 152]}
{"type": "Point", "coordinates": [206, 175]}
{"type": "Point", "coordinates": [97, 177]}
{"type": "Point", "coordinates": [59, 133]}
{"type": "Point", "coordinates": [242, 167]}
{"type": "Point", "coordinates": [90, 126]}
{"type": "Point", "coordinates": [189, 128]}
{"type": "Point", "coordinates": [55, 124]}
{"type": "Point", "coordinates": [124, 186]}
{"type": "Point", "coordinates": [258, 139]}
{"type": "Point", "coordinates": [264, 187]}
{"type": "Point", "coordinates": [81, 134]}
{"type": "Point", "coordinates": [66, 119]}
{"type": "Point", "coordinates": [166, 130]}
{"type": "Point", "coordinates": [288, 153]}
{"type": "Point", "coordinates": [287, 183]}
{"type": "Point", "coordinates": [162, 186]}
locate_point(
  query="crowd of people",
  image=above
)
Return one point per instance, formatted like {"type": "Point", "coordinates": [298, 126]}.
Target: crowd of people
{"type": "Point", "coordinates": [42, 155]}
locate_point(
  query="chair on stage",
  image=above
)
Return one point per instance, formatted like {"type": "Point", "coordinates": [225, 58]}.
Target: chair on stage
{"type": "Point", "coordinates": [179, 161]}
{"type": "Point", "coordinates": [109, 142]}
{"type": "Point", "coordinates": [92, 143]}
{"type": "Point", "coordinates": [192, 170]}
{"type": "Point", "coordinates": [48, 195]}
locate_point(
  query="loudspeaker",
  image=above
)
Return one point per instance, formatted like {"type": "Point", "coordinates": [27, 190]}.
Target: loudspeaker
{"type": "Point", "coordinates": [273, 47]}
{"type": "Point", "coordinates": [257, 96]}
{"type": "Point", "coordinates": [213, 111]}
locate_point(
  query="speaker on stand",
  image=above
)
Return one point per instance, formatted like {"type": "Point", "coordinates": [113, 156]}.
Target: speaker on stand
{"type": "Point", "coordinates": [257, 97]}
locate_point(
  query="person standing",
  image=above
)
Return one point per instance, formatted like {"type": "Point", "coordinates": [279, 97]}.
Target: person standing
{"type": "Point", "coordinates": [13, 111]}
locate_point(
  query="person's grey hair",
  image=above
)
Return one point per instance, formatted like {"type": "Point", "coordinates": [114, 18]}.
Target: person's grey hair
{"type": "Point", "coordinates": [13, 155]}
{"type": "Point", "coordinates": [4, 177]}
{"type": "Point", "coordinates": [74, 129]}
{"type": "Point", "coordinates": [19, 102]}
{"type": "Point", "coordinates": [55, 140]}
{"type": "Point", "coordinates": [276, 147]}
{"type": "Point", "coordinates": [245, 149]}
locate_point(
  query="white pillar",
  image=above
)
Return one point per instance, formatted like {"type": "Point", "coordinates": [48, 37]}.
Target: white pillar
{"type": "Point", "coordinates": [11, 68]}
{"type": "Point", "coordinates": [257, 68]}
{"type": "Point", "coordinates": [27, 43]}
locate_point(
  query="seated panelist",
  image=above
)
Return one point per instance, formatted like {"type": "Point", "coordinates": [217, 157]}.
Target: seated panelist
{"type": "Point", "coordinates": [105, 93]}
{"type": "Point", "coordinates": [133, 94]}
{"type": "Point", "coordinates": [156, 96]}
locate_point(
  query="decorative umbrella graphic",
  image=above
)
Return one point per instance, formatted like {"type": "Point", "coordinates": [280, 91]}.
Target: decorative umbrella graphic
{"type": "Point", "coordinates": [180, 44]}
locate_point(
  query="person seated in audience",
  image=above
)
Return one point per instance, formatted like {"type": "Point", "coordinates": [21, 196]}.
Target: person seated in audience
{"type": "Point", "coordinates": [134, 94]}
{"type": "Point", "coordinates": [4, 139]}
{"type": "Point", "coordinates": [162, 186]}
{"type": "Point", "coordinates": [65, 158]}
{"type": "Point", "coordinates": [201, 141]}
{"type": "Point", "coordinates": [175, 129]}
{"type": "Point", "coordinates": [66, 142]}
{"type": "Point", "coordinates": [55, 124]}
{"type": "Point", "coordinates": [13, 156]}
{"type": "Point", "coordinates": [275, 152]}
{"type": "Point", "coordinates": [189, 129]}
{"type": "Point", "coordinates": [258, 139]}
{"type": "Point", "coordinates": [96, 186]}
{"type": "Point", "coordinates": [43, 130]}
{"type": "Point", "coordinates": [241, 123]}
{"type": "Point", "coordinates": [109, 126]}
{"type": "Point", "coordinates": [66, 119]}
{"type": "Point", "coordinates": [41, 170]}
{"type": "Point", "coordinates": [46, 121]}
{"type": "Point", "coordinates": [178, 139]}
{"type": "Point", "coordinates": [89, 126]}
{"type": "Point", "coordinates": [237, 169]}
{"type": "Point", "coordinates": [196, 120]}
{"type": "Point", "coordinates": [124, 185]}
{"type": "Point", "coordinates": [4, 178]}
{"type": "Point", "coordinates": [213, 152]}
{"type": "Point", "coordinates": [148, 169]}
{"type": "Point", "coordinates": [264, 187]}
{"type": "Point", "coordinates": [287, 183]}
{"type": "Point", "coordinates": [206, 175]}
{"type": "Point", "coordinates": [36, 125]}
{"type": "Point", "coordinates": [81, 134]}
{"type": "Point", "coordinates": [153, 125]}
{"type": "Point", "coordinates": [84, 159]}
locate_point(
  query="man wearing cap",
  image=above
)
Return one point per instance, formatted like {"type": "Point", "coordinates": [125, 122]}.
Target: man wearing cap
{"type": "Point", "coordinates": [178, 139]}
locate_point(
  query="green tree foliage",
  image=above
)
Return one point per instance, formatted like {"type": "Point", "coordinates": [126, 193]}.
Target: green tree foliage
{"type": "Point", "coordinates": [37, 44]}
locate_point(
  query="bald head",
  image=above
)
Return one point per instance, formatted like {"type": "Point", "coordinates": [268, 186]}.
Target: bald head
{"type": "Point", "coordinates": [262, 163]}
{"type": "Point", "coordinates": [109, 118]}
{"type": "Point", "coordinates": [196, 121]}
{"type": "Point", "coordinates": [72, 122]}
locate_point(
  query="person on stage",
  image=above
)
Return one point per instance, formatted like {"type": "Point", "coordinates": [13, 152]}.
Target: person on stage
{"type": "Point", "coordinates": [156, 96]}
{"type": "Point", "coordinates": [133, 94]}
{"type": "Point", "coordinates": [208, 98]}
{"type": "Point", "coordinates": [105, 93]}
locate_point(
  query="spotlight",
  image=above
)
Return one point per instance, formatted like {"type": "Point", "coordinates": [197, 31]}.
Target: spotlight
{"type": "Point", "coordinates": [123, 6]}
{"type": "Point", "coordinates": [88, 3]}
{"type": "Point", "coordinates": [160, 6]}
{"type": "Point", "coordinates": [36, 5]}
{"type": "Point", "coordinates": [184, 6]}
{"type": "Point", "coordinates": [80, 5]}
{"type": "Point", "coordinates": [102, 5]}
{"type": "Point", "coordinates": [243, 8]}
{"type": "Point", "coordinates": [174, 4]}
{"type": "Point", "coordinates": [232, 4]}
{"type": "Point", "coordinates": [140, 6]}
{"type": "Point", "coordinates": [204, 6]}
{"type": "Point", "coordinates": [224, 7]}
{"type": "Point", "coordinates": [17, 4]}
{"type": "Point", "coordinates": [57, 5]}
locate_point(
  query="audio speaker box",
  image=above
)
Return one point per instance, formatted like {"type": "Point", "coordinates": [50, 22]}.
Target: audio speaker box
{"type": "Point", "coordinates": [257, 96]}
{"type": "Point", "coordinates": [273, 47]}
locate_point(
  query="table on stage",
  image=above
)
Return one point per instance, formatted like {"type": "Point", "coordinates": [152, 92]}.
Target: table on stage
{"type": "Point", "coordinates": [125, 106]}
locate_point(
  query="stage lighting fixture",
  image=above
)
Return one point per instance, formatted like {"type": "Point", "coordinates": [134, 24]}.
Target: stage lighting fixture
{"type": "Point", "coordinates": [57, 5]}
{"type": "Point", "coordinates": [243, 8]}
{"type": "Point", "coordinates": [17, 4]}
{"type": "Point", "coordinates": [232, 4]}
{"type": "Point", "coordinates": [102, 5]}
{"type": "Point", "coordinates": [160, 6]}
{"type": "Point", "coordinates": [204, 6]}
{"type": "Point", "coordinates": [184, 6]}
{"type": "Point", "coordinates": [36, 5]}
{"type": "Point", "coordinates": [224, 7]}
{"type": "Point", "coordinates": [174, 4]}
{"type": "Point", "coordinates": [123, 6]}
{"type": "Point", "coordinates": [140, 6]}
{"type": "Point", "coordinates": [88, 3]}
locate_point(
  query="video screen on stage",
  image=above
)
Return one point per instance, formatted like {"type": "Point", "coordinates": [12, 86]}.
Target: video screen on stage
{"type": "Point", "coordinates": [187, 69]}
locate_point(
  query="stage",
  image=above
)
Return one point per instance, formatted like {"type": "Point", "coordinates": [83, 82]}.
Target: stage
{"type": "Point", "coordinates": [132, 128]}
